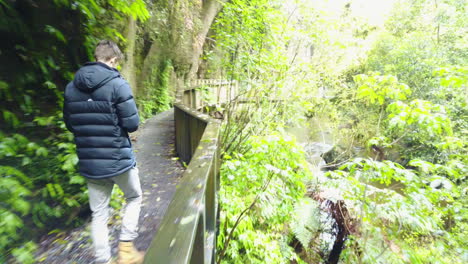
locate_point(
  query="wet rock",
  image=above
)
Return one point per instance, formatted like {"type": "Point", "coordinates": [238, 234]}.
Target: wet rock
{"type": "Point", "coordinates": [314, 152]}
{"type": "Point", "coordinates": [437, 184]}
{"type": "Point", "coordinates": [314, 149]}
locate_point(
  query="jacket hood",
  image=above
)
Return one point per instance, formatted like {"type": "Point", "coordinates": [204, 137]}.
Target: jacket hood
{"type": "Point", "coordinates": [93, 75]}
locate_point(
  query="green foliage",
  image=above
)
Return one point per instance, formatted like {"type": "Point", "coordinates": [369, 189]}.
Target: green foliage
{"type": "Point", "coordinates": [23, 254]}
{"type": "Point", "coordinates": [430, 120]}
{"type": "Point", "coordinates": [403, 217]}
{"type": "Point", "coordinates": [305, 220]}
{"type": "Point", "coordinates": [248, 51]}
{"type": "Point", "coordinates": [14, 190]}
{"type": "Point", "coordinates": [421, 37]}
{"type": "Point", "coordinates": [41, 69]}
{"type": "Point", "coordinates": [378, 89]}
{"type": "Point", "coordinates": [10, 119]}
{"type": "Point", "coordinates": [259, 192]}
{"type": "Point", "coordinates": [136, 9]}
{"type": "Point", "coordinates": [248, 41]}
{"type": "Point", "coordinates": [117, 199]}
{"type": "Point", "coordinates": [399, 92]}
{"type": "Point", "coordinates": [453, 82]}
{"type": "Point", "coordinates": [393, 123]}
{"type": "Point", "coordinates": [157, 88]}
{"type": "Point", "coordinates": [412, 60]}
{"type": "Point", "coordinates": [409, 201]}
{"type": "Point", "coordinates": [35, 190]}
{"type": "Point", "coordinates": [46, 42]}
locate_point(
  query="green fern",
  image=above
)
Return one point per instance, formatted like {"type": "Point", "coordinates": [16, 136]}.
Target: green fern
{"type": "Point", "coordinates": [305, 221]}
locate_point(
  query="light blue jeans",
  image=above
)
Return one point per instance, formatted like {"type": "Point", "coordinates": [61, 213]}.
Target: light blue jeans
{"type": "Point", "coordinates": [99, 192]}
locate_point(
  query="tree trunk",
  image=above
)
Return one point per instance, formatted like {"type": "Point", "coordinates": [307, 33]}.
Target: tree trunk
{"type": "Point", "coordinates": [210, 10]}
{"type": "Point", "coordinates": [128, 67]}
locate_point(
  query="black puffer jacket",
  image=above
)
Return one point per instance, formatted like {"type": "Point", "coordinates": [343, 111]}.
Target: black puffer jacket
{"type": "Point", "coordinates": [100, 111]}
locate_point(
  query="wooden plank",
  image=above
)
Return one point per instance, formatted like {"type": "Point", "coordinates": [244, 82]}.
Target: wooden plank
{"type": "Point", "coordinates": [174, 241]}
{"type": "Point", "coordinates": [188, 230]}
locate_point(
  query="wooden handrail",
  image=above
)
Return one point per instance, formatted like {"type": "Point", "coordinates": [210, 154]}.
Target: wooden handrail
{"type": "Point", "coordinates": [188, 230]}
{"type": "Point", "coordinates": [221, 90]}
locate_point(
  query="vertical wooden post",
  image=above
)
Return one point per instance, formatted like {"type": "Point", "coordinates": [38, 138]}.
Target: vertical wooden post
{"type": "Point", "coordinates": [198, 251]}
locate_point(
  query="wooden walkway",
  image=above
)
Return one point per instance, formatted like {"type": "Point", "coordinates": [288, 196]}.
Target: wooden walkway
{"type": "Point", "coordinates": [160, 172]}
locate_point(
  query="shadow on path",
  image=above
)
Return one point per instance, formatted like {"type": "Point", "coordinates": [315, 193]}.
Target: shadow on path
{"type": "Point", "coordinates": [160, 171]}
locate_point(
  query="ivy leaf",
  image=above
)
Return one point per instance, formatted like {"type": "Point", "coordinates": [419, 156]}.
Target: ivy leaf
{"type": "Point", "coordinates": [55, 32]}
{"type": "Point", "coordinates": [70, 161]}
{"type": "Point", "coordinates": [424, 166]}
{"type": "Point", "coordinates": [77, 179]}
{"type": "Point", "coordinates": [41, 151]}
{"type": "Point", "coordinates": [21, 206]}
{"type": "Point", "coordinates": [305, 220]}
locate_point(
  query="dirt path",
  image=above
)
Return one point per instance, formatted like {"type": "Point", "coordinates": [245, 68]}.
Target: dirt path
{"type": "Point", "coordinates": [159, 173]}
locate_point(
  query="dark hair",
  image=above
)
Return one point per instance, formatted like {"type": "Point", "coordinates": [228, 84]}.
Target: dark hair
{"type": "Point", "coordinates": [106, 50]}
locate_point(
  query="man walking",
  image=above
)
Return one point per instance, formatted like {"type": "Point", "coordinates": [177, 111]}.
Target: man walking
{"type": "Point", "coordinates": [100, 111]}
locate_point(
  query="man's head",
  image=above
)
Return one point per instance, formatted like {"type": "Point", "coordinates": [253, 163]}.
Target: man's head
{"type": "Point", "coordinates": [108, 52]}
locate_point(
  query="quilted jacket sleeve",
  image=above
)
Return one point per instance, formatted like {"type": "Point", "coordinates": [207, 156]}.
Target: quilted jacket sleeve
{"type": "Point", "coordinates": [126, 108]}
{"type": "Point", "coordinates": [66, 112]}
{"type": "Point", "coordinates": [66, 118]}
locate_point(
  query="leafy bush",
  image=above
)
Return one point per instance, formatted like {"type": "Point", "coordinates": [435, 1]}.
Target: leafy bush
{"type": "Point", "coordinates": [403, 215]}
{"type": "Point", "coordinates": [259, 191]}
{"type": "Point", "coordinates": [157, 98]}
{"type": "Point", "coordinates": [39, 186]}
{"type": "Point", "coordinates": [405, 101]}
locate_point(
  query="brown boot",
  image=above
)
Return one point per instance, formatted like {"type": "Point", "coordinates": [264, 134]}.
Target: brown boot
{"type": "Point", "coordinates": [128, 254]}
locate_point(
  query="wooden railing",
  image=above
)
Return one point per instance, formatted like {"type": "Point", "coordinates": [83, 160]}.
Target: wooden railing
{"type": "Point", "coordinates": [188, 230]}
{"type": "Point", "coordinates": [204, 92]}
